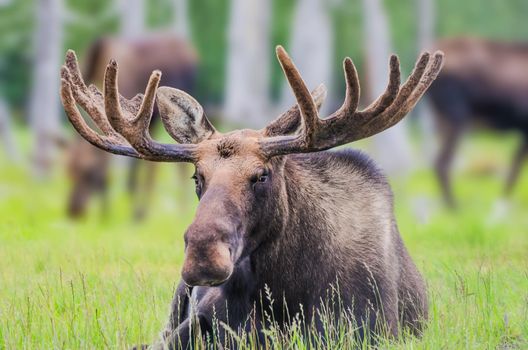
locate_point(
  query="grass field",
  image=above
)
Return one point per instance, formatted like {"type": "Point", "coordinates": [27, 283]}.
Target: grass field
{"type": "Point", "coordinates": [108, 283]}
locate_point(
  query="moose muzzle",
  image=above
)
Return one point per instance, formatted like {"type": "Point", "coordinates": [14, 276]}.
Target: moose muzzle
{"type": "Point", "coordinates": [207, 264]}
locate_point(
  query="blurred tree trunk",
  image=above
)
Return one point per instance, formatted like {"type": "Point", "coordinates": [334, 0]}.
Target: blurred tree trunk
{"type": "Point", "coordinates": [132, 17]}
{"type": "Point", "coordinates": [390, 148]}
{"type": "Point", "coordinates": [426, 23]}
{"type": "Point", "coordinates": [248, 74]}
{"type": "Point", "coordinates": [181, 18]}
{"type": "Point", "coordinates": [6, 134]}
{"type": "Point", "coordinates": [311, 46]}
{"type": "Point", "coordinates": [426, 36]}
{"type": "Point", "coordinates": [44, 111]}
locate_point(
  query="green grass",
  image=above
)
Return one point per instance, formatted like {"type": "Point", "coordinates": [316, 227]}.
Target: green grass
{"type": "Point", "coordinates": [107, 283]}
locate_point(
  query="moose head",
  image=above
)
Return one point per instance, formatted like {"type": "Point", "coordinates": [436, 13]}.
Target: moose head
{"type": "Point", "coordinates": [239, 175]}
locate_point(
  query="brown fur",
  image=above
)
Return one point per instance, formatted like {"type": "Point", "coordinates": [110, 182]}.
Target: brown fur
{"type": "Point", "coordinates": [483, 83]}
{"type": "Point", "coordinates": [88, 171]}
{"type": "Point", "coordinates": [274, 214]}
{"type": "Point", "coordinates": [321, 218]}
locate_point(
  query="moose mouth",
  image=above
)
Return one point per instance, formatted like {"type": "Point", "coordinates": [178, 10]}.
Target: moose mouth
{"type": "Point", "coordinates": [205, 283]}
{"type": "Point", "coordinates": [217, 283]}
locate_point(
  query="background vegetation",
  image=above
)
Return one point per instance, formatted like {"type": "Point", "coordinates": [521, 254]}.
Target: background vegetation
{"type": "Point", "coordinates": [106, 282]}
{"type": "Point", "coordinates": [503, 19]}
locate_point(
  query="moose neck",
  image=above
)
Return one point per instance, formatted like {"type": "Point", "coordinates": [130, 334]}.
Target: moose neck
{"type": "Point", "coordinates": [297, 230]}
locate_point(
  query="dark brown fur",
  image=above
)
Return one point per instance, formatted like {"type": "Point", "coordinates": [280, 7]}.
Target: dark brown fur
{"type": "Point", "coordinates": [88, 172]}
{"type": "Point", "coordinates": [483, 83]}
{"type": "Point", "coordinates": [276, 216]}
{"type": "Point", "coordinates": [333, 207]}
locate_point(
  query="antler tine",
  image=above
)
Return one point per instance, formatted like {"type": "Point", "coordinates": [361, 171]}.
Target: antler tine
{"type": "Point", "coordinates": [429, 76]}
{"type": "Point", "coordinates": [75, 73]}
{"type": "Point", "coordinates": [289, 121]}
{"type": "Point", "coordinates": [112, 104]}
{"type": "Point", "coordinates": [347, 124]}
{"type": "Point", "coordinates": [147, 106]}
{"type": "Point", "coordinates": [424, 73]}
{"type": "Point", "coordinates": [352, 86]}
{"type": "Point", "coordinates": [131, 106]}
{"type": "Point", "coordinates": [78, 122]}
{"type": "Point", "coordinates": [141, 105]}
{"type": "Point", "coordinates": [85, 96]}
{"type": "Point", "coordinates": [306, 103]}
{"type": "Point", "coordinates": [124, 122]}
{"type": "Point", "coordinates": [391, 92]}
{"type": "Point", "coordinates": [135, 129]}
{"type": "Point", "coordinates": [352, 92]}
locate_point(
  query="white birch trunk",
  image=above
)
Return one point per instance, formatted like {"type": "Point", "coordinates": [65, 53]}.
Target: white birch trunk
{"type": "Point", "coordinates": [6, 133]}
{"type": "Point", "coordinates": [44, 113]}
{"type": "Point", "coordinates": [391, 148]}
{"type": "Point", "coordinates": [247, 97]}
{"type": "Point", "coordinates": [181, 18]}
{"type": "Point", "coordinates": [426, 37]}
{"type": "Point", "coordinates": [132, 17]}
{"type": "Point", "coordinates": [311, 47]}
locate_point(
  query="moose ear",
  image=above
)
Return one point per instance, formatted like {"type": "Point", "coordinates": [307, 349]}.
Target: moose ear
{"type": "Point", "coordinates": [182, 116]}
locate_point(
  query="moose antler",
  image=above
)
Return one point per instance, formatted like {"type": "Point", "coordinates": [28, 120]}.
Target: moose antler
{"type": "Point", "coordinates": [124, 123]}
{"type": "Point", "coordinates": [347, 124]}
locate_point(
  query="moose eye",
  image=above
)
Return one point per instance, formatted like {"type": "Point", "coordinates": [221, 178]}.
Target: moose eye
{"type": "Point", "coordinates": [263, 177]}
{"type": "Point", "coordinates": [197, 185]}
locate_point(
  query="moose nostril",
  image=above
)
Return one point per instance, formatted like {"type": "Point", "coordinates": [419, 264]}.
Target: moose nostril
{"type": "Point", "coordinates": [209, 278]}
{"type": "Point", "coordinates": [209, 270]}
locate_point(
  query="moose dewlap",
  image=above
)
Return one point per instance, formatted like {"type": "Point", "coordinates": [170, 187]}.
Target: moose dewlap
{"type": "Point", "coordinates": [277, 215]}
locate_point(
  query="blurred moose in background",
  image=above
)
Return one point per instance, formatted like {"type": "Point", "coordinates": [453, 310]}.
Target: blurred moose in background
{"type": "Point", "coordinates": [483, 83]}
{"type": "Point", "coordinates": [88, 166]}
{"type": "Point", "coordinates": [87, 169]}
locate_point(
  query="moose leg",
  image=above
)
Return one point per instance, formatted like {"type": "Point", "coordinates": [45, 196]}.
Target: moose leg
{"type": "Point", "coordinates": [451, 135]}
{"type": "Point", "coordinates": [520, 156]}
{"type": "Point", "coordinates": [132, 179]}
{"type": "Point", "coordinates": [189, 334]}
{"type": "Point", "coordinates": [178, 316]}
{"type": "Point", "coordinates": [186, 327]}
{"type": "Point", "coordinates": [140, 186]}
{"type": "Point", "coordinates": [452, 114]}
{"type": "Point", "coordinates": [179, 306]}
{"type": "Point", "coordinates": [104, 200]}
{"type": "Point", "coordinates": [145, 192]}
{"type": "Point", "coordinates": [179, 338]}
{"type": "Point", "coordinates": [78, 198]}
{"type": "Point", "coordinates": [182, 176]}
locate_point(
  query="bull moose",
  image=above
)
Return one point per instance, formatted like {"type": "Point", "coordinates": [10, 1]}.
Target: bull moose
{"type": "Point", "coordinates": [483, 83]}
{"type": "Point", "coordinates": [276, 212]}
{"type": "Point", "coordinates": [88, 166]}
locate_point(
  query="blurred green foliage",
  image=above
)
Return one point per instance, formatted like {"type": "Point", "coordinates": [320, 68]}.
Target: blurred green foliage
{"type": "Point", "coordinates": [504, 19]}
